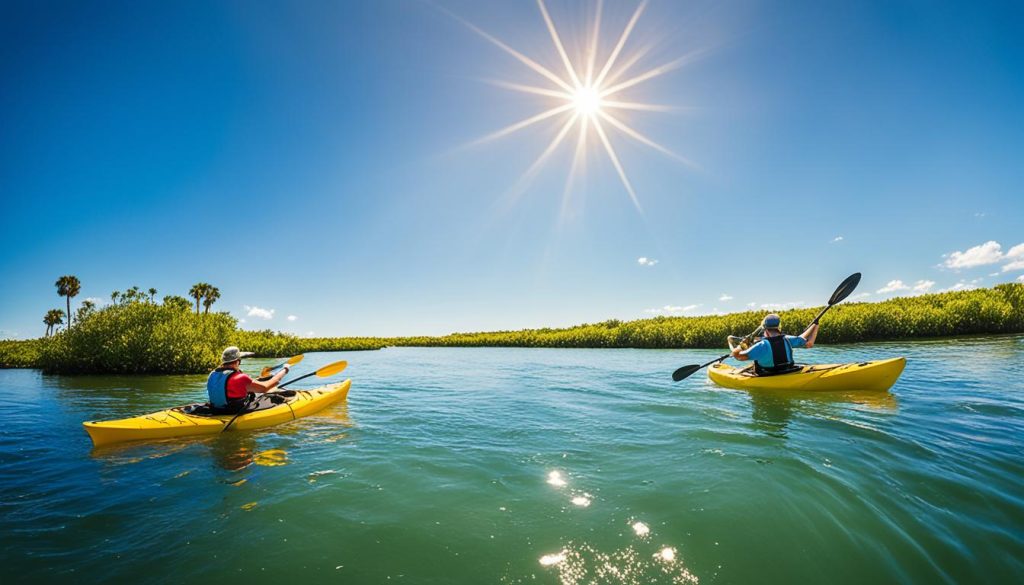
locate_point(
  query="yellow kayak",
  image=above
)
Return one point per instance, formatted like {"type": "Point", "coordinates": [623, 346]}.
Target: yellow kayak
{"type": "Point", "coordinates": [875, 376]}
{"type": "Point", "coordinates": [183, 421]}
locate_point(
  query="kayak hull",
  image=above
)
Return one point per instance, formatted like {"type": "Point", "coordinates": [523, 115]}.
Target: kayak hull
{"type": "Point", "coordinates": [873, 376]}
{"type": "Point", "coordinates": [174, 422]}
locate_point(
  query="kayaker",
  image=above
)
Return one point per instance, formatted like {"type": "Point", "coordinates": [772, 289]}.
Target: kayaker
{"type": "Point", "coordinates": [774, 353]}
{"type": "Point", "coordinates": [228, 386]}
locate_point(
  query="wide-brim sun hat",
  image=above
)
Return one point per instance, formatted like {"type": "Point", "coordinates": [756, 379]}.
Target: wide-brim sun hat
{"type": "Point", "coordinates": [232, 354]}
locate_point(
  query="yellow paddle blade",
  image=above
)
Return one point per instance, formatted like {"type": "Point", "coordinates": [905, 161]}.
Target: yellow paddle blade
{"type": "Point", "coordinates": [331, 369]}
{"type": "Point", "coordinates": [291, 362]}
{"type": "Point", "coordinates": [265, 372]}
{"type": "Point", "coordinates": [295, 360]}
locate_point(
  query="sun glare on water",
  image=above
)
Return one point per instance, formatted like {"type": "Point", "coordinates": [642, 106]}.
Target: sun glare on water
{"type": "Point", "coordinates": [588, 97]}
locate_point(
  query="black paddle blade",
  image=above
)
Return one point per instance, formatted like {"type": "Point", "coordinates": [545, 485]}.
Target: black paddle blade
{"type": "Point", "coordinates": [845, 288]}
{"type": "Point", "coordinates": [684, 372]}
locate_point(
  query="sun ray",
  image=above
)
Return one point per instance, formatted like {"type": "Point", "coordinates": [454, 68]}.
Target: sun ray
{"type": "Point", "coordinates": [618, 166]}
{"type": "Point", "coordinates": [626, 65]}
{"type": "Point", "coordinates": [592, 50]}
{"type": "Point", "coordinates": [530, 89]}
{"type": "Point", "coordinates": [578, 160]}
{"type": "Point", "coordinates": [558, 44]}
{"type": "Point", "coordinates": [660, 70]}
{"type": "Point", "coordinates": [524, 123]}
{"type": "Point", "coordinates": [530, 172]}
{"type": "Point", "coordinates": [643, 139]}
{"type": "Point", "coordinates": [519, 56]}
{"type": "Point", "coordinates": [638, 106]}
{"type": "Point", "coordinates": [622, 42]}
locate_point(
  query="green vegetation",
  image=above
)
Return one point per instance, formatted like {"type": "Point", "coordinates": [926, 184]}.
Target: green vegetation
{"type": "Point", "coordinates": [994, 310]}
{"type": "Point", "coordinates": [138, 335]}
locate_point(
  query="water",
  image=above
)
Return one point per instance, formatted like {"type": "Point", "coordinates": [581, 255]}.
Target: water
{"type": "Point", "coordinates": [533, 465]}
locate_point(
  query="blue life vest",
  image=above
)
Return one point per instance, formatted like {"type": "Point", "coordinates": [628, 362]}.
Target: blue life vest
{"type": "Point", "coordinates": [782, 357]}
{"type": "Point", "coordinates": [217, 387]}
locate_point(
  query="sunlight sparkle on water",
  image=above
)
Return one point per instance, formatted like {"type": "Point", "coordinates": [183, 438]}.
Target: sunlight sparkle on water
{"type": "Point", "coordinates": [641, 529]}
{"type": "Point", "coordinates": [555, 478]}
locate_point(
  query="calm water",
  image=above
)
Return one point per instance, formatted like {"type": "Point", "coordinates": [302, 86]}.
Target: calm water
{"type": "Point", "coordinates": [532, 465]}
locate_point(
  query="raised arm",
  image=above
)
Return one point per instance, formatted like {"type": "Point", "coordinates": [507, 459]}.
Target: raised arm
{"type": "Point", "coordinates": [257, 387]}
{"type": "Point", "coordinates": [810, 334]}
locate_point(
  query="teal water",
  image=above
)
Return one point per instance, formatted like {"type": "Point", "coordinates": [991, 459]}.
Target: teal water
{"type": "Point", "coordinates": [533, 466]}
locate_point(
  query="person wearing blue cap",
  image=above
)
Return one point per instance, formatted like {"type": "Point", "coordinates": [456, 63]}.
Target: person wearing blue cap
{"type": "Point", "coordinates": [774, 353]}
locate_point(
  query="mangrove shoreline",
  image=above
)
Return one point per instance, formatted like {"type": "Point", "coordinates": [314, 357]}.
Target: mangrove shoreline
{"type": "Point", "coordinates": [144, 337]}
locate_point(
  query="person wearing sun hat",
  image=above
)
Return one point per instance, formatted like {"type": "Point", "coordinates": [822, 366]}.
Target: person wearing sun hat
{"type": "Point", "coordinates": [228, 386]}
{"type": "Point", "coordinates": [774, 353]}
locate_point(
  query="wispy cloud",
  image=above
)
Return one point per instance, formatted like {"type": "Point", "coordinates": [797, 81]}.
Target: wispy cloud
{"type": "Point", "coordinates": [859, 296]}
{"type": "Point", "coordinates": [789, 305]}
{"type": "Point", "coordinates": [260, 312]}
{"type": "Point", "coordinates": [1021, 278]}
{"type": "Point", "coordinates": [645, 261]}
{"type": "Point", "coordinates": [923, 286]}
{"type": "Point", "coordinates": [292, 317]}
{"type": "Point", "coordinates": [893, 286]}
{"type": "Point", "coordinates": [837, 239]}
{"type": "Point", "coordinates": [962, 285]}
{"type": "Point", "coordinates": [672, 309]}
{"type": "Point", "coordinates": [96, 301]}
{"type": "Point", "coordinates": [725, 297]}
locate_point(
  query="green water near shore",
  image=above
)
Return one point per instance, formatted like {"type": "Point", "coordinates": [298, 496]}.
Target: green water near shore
{"type": "Point", "coordinates": [475, 465]}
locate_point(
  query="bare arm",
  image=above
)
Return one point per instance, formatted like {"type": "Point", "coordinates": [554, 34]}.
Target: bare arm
{"type": "Point", "coordinates": [740, 354]}
{"type": "Point", "coordinates": [257, 387]}
{"type": "Point", "coordinates": [810, 335]}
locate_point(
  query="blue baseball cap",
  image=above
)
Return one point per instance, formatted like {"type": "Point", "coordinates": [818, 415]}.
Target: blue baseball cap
{"type": "Point", "coordinates": [772, 321]}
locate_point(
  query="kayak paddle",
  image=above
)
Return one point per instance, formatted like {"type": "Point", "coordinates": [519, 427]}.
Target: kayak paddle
{"type": "Point", "coordinates": [842, 291]}
{"type": "Point", "coordinates": [291, 362]}
{"type": "Point", "coordinates": [324, 372]}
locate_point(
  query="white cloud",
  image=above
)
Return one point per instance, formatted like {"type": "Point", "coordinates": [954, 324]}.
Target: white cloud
{"type": "Point", "coordinates": [725, 297]}
{"type": "Point", "coordinates": [672, 309]}
{"type": "Point", "coordinates": [789, 305]}
{"type": "Point", "coordinates": [923, 286]}
{"type": "Point", "coordinates": [988, 253]}
{"type": "Point", "coordinates": [292, 317]}
{"type": "Point", "coordinates": [837, 239]}
{"type": "Point", "coordinates": [893, 286]}
{"type": "Point", "coordinates": [1016, 252]}
{"type": "Point", "coordinates": [962, 285]}
{"type": "Point", "coordinates": [1013, 266]}
{"type": "Point", "coordinates": [645, 261]}
{"type": "Point", "coordinates": [310, 334]}
{"type": "Point", "coordinates": [241, 320]}
{"type": "Point", "coordinates": [980, 214]}
{"type": "Point", "coordinates": [1021, 278]}
{"type": "Point", "coordinates": [260, 312]}
{"type": "Point", "coordinates": [751, 305]}
{"type": "Point", "coordinates": [859, 296]}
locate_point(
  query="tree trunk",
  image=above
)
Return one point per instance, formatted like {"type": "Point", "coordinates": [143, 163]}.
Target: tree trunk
{"type": "Point", "coordinates": [69, 311]}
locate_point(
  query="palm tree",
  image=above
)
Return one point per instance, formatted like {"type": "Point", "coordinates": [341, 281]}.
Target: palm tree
{"type": "Point", "coordinates": [198, 291]}
{"type": "Point", "coordinates": [68, 286]}
{"type": "Point", "coordinates": [53, 318]}
{"type": "Point", "coordinates": [88, 308]}
{"type": "Point", "coordinates": [210, 297]}
{"type": "Point", "coordinates": [114, 296]}
{"type": "Point", "coordinates": [152, 295]}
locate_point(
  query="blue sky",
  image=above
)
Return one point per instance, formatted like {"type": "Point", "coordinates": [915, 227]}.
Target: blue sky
{"type": "Point", "coordinates": [319, 159]}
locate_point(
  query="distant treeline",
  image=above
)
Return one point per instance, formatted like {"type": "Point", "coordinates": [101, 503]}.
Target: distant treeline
{"type": "Point", "coordinates": [142, 336]}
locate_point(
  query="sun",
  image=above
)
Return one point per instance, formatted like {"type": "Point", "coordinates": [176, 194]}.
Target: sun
{"type": "Point", "coordinates": [587, 101]}
{"type": "Point", "coordinates": [587, 98]}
